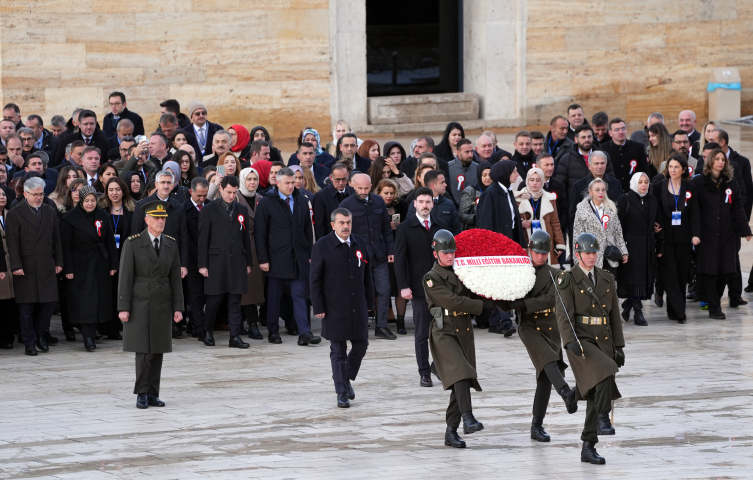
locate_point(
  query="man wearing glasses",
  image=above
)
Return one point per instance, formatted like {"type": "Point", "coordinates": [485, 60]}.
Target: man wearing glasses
{"type": "Point", "coordinates": [201, 128]}
{"type": "Point", "coordinates": [328, 199]}
{"type": "Point", "coordinates": [119, 111]}
{"type": "Point", "coordinates": [627, 157]}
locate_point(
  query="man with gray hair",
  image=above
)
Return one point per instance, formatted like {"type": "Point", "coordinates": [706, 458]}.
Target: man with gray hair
{"type": "Point", "coordinates": [220, 144]}
{"type": "Point", "coordinates": [284, 237]}
{"type": "Point", "coordinates": [57, 125]}
{"type": "Point", "coordinates": [36, 257]}
{"type": "Point", "coordinates": [124, 129]}
{"type": "Point", "coordinates": [641, 136]}
{"type": "Point", "coordinates": [44, 140]}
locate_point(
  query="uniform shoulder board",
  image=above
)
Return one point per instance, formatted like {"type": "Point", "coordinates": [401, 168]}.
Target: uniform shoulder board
{"type": "Point", "coordinates": [171, 238]}
{"type": "Point", "coordinates": [563, 280]}
{"type": "Point", "coordinates": [134, 236]}
{"type": "Point", "coordinates": [607, 273]}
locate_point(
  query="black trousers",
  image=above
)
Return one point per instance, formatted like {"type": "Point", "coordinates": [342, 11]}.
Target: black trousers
{"type": "Point", "coordinates": [550, 376]}
{"type": "Point", "coordinates": [8, 317]}
{"type": "Point", "coordinates": [196, 300]}
{"type": "Point", "coordinates": [148, 373]}
{"type": "Point", "coordinates": [599, 402]}
{"type": "Point", "coordinates": [460, 402]}
{"type": "Point", "coordinates": [89, 330]}
{"type": "Point", "coordinates": [712, 288]}
{"type": "Point", "coordinates": [422, 320]}
{"type": "Point", "coordinates": [735, 282]}
{"type": "Point", "coordinates": [35, 319]}
{"type": "Point", "coordinates": [345, 366]}
{"type": "Point", "coordinates": [674, 265]}
{"type": "Point", "coordinates": [233, 312]}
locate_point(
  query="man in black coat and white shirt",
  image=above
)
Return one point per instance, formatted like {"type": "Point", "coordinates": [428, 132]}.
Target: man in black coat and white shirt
{"type": "Point", "coordinates": [342, 294]}
{"type": "Point", "coordinates": [329, 198]}
{"type": "Point", "coordinates": [284, 238]}
{"type": "Point", "coordinates": [574, 165]}
{"type": "Point", "coordinates": [194, 280]}
{"type": "Point", "coordinates": [119, 111]}
{"type": "Point", "coordinates": [625, 156]}
{"type": "Point", "coordinates": [225, 259]}
{"type": "Point", "coordinates": [88, 133]}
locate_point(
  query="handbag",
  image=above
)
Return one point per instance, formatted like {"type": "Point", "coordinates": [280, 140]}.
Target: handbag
{"type": "Point", "coordinates": [612, 253]}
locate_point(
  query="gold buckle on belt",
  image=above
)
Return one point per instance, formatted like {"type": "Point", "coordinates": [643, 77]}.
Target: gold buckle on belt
{"type": "Point", "coordinates": [594, 320]}
{"type": "Point", "coordinates": [454, 313]}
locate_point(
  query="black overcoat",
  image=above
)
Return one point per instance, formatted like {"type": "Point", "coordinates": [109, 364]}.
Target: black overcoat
{"type": "Point", "coordinates": [325, 201]}
{"type": "Point", "coordinates": [687, 204]}
{"type": "Point", "coordinates": [35, 247]}
{"type": "Point", "coordinates": [283, 239]}
{"type": "Point", "coordinates": [638, 231]}
{"type": "Point", "coordinates": [414, 256]}
{"type": "Point", "coordinates": [372, 223]}
{"type": "Point", "coordinates": [572, 167]}
{"type": "Point", "coordinates": [621, 156]}
{"type": "Point", "coordinates": [342, 287]}
{"type": "Point", "coordinates": [89, 254]}
{"type": "Point", "coordinates": [493, 213]}
{"type": "Point", "coordinates": [192, 229]}
{"type": "Point", "coordinates": [721, 222]}
{"type": "Point", "coordinates": [225, 248]}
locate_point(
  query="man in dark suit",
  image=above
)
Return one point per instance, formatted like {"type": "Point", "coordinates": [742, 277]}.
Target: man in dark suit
{"type": "Point", "coordinates": [626, 157]}
{"type": "Point", "coordinates": [340, 265]}
{"type": "Point", "coordinates": [574, 164]}
{"type": "Point", "coordinates": [36, 257]}
{"type": "Point", "coordinates": [150, 297]}
{"type": "Point", "coordinates": [283, 234]}
{"type": "Point", "coordinates": [176, 219]}
{"type": "Point", "coordinates": [74, 156]}
{"type": "Point", "coordinates": [349, 150]}
{"type": "Point", "coordinates": [306, 157]}
{"type": "Point", "coordinates": [220, 145]}
{"type": "Point", "coordinates": [44, 140]}
{"type": "Point", "coordinates": [33, 163]}
{"type": "Point", "coordinates": [13, 113]}
{"type": "Point", "coordinates": [329, 198]}
{"type": "Point", "coordinates": [88, 132]}
{"type": "Point", "coordinates": [118, 112]}
{"type": "Point", "coordinates": [523, 155]}
{"type": "Point", "coordinates": [225, 259]}
{"type": "Point", "coordinates": [123, 130]}
{"type": "Point", "coordinates": [443, 209]}
{"type": "Point", "coordinates": [414, 257]}
{"type": "Point", "coordinates": [372, 223]}
{"type": "Point", "coordinates": [173, 106]}
{"type": "Point", "coordinates": [596, 169]}
{"type": "Point", "coordinates": [194, 280]}
{"type": "Point", "coordinates": [556, 142]}
{"type": "Point", "coordinates": [202, 129]}
{"type": "Point", "coordinates": [687, 121]}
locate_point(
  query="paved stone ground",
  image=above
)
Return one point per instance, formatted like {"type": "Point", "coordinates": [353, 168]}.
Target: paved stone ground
{"type": "Point", "coordinates": [271, 411]}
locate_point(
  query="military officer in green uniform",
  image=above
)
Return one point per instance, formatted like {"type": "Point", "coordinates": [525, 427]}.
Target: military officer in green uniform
{"type": "Point", "coordinates": [150, 298]}
{"type": "Point", "coordinates": [451, 336]}
{"type": "Point", "coordinates": [590, 302]}
{"type": "Point", "coordinates": [541, 336]}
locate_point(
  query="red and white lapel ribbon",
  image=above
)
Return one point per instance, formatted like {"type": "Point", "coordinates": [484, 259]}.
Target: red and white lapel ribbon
{"type": "Point", "coordinates": [688, 196]}
{"type": "Point", "coordinates": [633, 165]}
{"type": "Point", "coordinates": [729, 195]}
{"type": "Point", "coordinates": [99, 227]}
{"type": "Point", "coordinates": [605, 221]}
{"type": "Point", "coordinates": [461, 180]}
{"type": "Point", "coordinates": [359, 255]}
{"type": "Point", "coordinates": [241, 220]}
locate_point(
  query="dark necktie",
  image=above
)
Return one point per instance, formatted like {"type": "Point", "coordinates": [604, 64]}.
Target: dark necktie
{"type": "Point", "coordinates": [142, 174]}
{"type": "Point", "coordinates": [88, 140]}
{"type": "Point", "coordinates": [156, 246]}
{"type": "Point", "coordinates": [436, 200]}
{"type": "Point", "coordinates": [38, 213]}
{"type": "Point", "coordinates": [590, 277]}
{"type": "Point", "coordinates": [115, 121]}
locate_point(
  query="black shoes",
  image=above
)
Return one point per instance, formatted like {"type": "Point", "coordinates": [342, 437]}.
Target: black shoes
{"type": "Point", "coordinates": [470, 424]}
{"type": "Point", "coordinates": [244, 330]}
{"type": "Point", "coordinates": [31, 351]}
{"type": "Point", "coordinates": [253, 332]}
{"type": "Point", "coordinates": [626, 314]}
{"type": "Point", "coordinates": [42, 345]}
{"type": "Point", "coordinates": [89, 344]}
{"type": "Point", "coordinates": [507, 332]}
{"type": "Point", "coordinates": [658, 300]}
{"type": "Point", "coordinates": [342, 400]}
{"type": "Point", "coordinates": [70, 336]}
{"type": "Point", "coordinates": [177, 332]}
{"type": "Point", "coordinates": [682, 319]}
{"type": "Point", "coordinates": [452, 439]}
{"type": "Point", "coordinates": [142, 401]}
{"type": "Point", "coordinates": [603, 425]}
{"type": "Point", "coordinates": [400, 325]}
{"type": "Point", "coordinates": [537, 430]}
{"type": "Point", "coordinates": [588, 454]}
{"type": "Point", "coordinates": [639, 319]}
{"type": "Point", "coordinates": [495, 329]}
{"type": "Point", "coordinates": [208, 339]}
{"type": "Point", "coordinates": [384, 332]}
{"type": "Point", "coordinates": [308, 339]}
{"type": "Point", "coordinates": [54, 340]}
{"type": "Point", "coordinates": [351, 393]}
{"type": "Point", "coordinates": [748, 288]}
{"type": "Point", "coordinates": [433, 369]}
{"type": "Point", "coordinates": [6, 346]}
{"type": "Point", "coordinates": [154, 401]}
{"type": "Point", "coordinates": [426, 381]}
{"type": "Point", "coordinates": [717, 315]}
{"type": "Point", "coordinates": [274, 337]}
{"type": "Point", "coordinates": [237, 342]}
{"type": "Point", "coordinates": [737, 302]}
{"type": "Point", "coordinates": [568, 396]}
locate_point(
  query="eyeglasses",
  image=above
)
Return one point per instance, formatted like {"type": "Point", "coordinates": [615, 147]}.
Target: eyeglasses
{"type": "Point", "coordinates": [35, 195]}
{"type": "Point", "coordinates": [116, 104]}
{"type": "Point", "coordinates": [200, 113]}
{"type": "Point", "coordinates": [27, 139]}
{"type": "Point", "coordinates": [682, 142]}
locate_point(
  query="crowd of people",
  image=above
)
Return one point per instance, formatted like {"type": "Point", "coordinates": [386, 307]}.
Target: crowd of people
{"type": "Point", "coordinates": [669, 211]}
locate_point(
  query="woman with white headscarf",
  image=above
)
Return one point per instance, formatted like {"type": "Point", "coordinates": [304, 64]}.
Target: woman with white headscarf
{"type": "Point", "coordinates": [538, 211]}
{"type": "Point", "coordinates": [254, 296]}
{"type": "Point", "coordinates": [639, 215]}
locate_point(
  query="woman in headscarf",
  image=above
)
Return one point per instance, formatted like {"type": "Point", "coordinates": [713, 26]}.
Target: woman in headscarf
{"type": "Point", "coordinates": [538, 211]}
{"type": "Point", "coordinates": [638, 212]}
{"type": "Point", "coordinates": [261, 133]}
{"type": "Point", "coordinates": [471, 194]}
{"type": "Point", "coordinates": [90, 260]}
{"type": "Point", "coordinates": [322, 158]}
{"type": "Point", "coordinates": [240, 143]}
{"type": "Point", "coordinates": [254, 296]}
{"type": "Point", "coordinates": [134, 183]}
{"type": "Point", "coordinates": [497, 209]}
{"type": "Point", "coordinates": [263, 169]}
{"type": "Point", "coordinates": [448, 148]}
{"type": "Point", "coordinates": [368, 149]}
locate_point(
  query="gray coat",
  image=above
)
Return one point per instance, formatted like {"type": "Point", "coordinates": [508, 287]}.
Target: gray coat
{"type": "Point", "coordinates": [469, 178]}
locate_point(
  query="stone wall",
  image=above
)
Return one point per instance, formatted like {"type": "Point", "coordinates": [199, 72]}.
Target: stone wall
{"type": "Point", "coordinates": [253, 62]}
{"type": "Point", "coordinates": [633, 57]}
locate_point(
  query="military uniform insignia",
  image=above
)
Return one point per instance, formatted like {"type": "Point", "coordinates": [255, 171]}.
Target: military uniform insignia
{"type": "Point", "coordinates": [563, 280]}
{"type": "Point", "coordinates": [171, 238]}
{"type": "Point", "coordinates": [429, 283]}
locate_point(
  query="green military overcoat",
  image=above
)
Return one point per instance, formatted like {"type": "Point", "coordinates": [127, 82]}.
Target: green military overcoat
{"type": "Point", "coordinates": [151, 289]}
{"type": "Point", "coordinates": [539, 331]}
{"type": "Point", "coordinates": [452, 347]}
{"type": "Point", "coordinates": [598, 341]}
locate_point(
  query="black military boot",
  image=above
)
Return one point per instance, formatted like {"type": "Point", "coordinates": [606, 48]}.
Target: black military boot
{"type": "Point", "coordinates": [568, 396]}
{"type": "Point", "coordinates": [588, 454]}
{"type": "Point", "coordinates": [400, 324]}
{"type": "Point", "coordinates": [470, 424]}
{"type": "Point", "coordinates": [604, 426]}
{"type": "Point", "coordinates": [639, 319]}
{"type": "Point", "coordinates": [452, 439]}
{"type": "Point", "coordinates": [537, 430]}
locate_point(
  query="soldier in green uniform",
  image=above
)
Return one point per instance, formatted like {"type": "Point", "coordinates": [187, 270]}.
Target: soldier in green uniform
{"type": "Point", "coordinates": [590, 302]}
{"type": "Point", "coordinates": [541, 336]}
{"type": "Point", "coordinates": [150, 298]}
{"type": "Point", "coordinates": [451, 337]}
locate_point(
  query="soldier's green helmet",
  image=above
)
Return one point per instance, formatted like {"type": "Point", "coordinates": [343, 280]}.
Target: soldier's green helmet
{"type": "Point", "coordinates": [586, 243]}
{"type": "Point", "coordinates": [444, 241]}
{"type": "Point", "coordinates": [540, 242]}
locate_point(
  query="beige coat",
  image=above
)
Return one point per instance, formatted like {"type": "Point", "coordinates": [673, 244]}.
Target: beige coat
{"type": "Point", "coordinates": [550, 223]}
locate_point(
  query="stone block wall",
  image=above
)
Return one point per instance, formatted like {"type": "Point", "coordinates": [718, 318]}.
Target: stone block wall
{"type": "Point", "coordinates": [633, 57]}
{"type": "Point", "coordinates": [253, 62]}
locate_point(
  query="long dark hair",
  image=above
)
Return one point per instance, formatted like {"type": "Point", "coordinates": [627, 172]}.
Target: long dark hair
{"type": "Point", "coordinates": [444, 150]}
{"type": "Point", "coordinates": [375, 172]}
{"type": "Point", "coordinates": [191, 173]}
{"type": "Point", "coordinates": [62, 186]}
{"type": "Point", "coordinates": [128, 202]}
{"type": "Point", "coordinates": [727, 172]}
{"type": "Point", "coordinates": [127, 177]}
